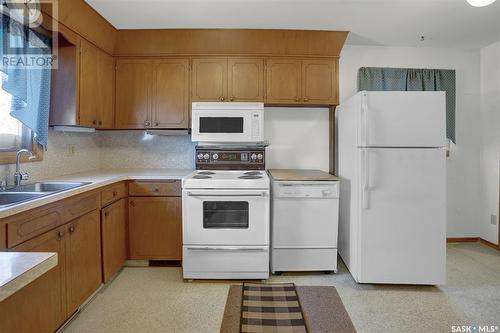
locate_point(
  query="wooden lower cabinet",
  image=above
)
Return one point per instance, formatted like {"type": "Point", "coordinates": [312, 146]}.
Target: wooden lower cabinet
{"type": "Point", "coordinates": [155, 228]}
{"type": "Point", "coordinates": [41, 305]}
{"type": "Point", "coordinates": [114, 238]}
{"type": "Point", "coordinates": [83, 259]}
{"type": "Point", "coordinates": [44, 304]}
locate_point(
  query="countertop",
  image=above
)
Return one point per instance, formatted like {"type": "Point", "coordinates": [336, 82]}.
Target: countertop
{"type": "Point", "coordinates": [99, 178]}
{"type": "Point", "coordinates": [17, 269]}
{"type": "Point", "coordinates": [301, 175]}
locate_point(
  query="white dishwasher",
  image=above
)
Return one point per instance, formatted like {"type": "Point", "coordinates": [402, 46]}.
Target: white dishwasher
{"type": "Point", "coordinates": [304, 220]}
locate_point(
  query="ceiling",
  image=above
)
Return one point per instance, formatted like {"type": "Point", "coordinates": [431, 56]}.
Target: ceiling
{"type": "Point", "coordinates": [444, 23]}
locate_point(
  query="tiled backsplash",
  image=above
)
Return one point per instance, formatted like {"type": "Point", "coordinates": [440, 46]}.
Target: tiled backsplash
{"type": "Point", "coordinates": [136, 149]}
{"type": "Point", "coordinates": [113, 149]}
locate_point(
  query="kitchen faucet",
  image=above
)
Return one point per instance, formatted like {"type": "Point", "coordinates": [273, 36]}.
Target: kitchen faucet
{"type": "Point", "coordinates": [20, 176]}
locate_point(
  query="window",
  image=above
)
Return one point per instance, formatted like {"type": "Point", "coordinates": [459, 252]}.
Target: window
{"type": "Point", "coordinates": [13, 134]}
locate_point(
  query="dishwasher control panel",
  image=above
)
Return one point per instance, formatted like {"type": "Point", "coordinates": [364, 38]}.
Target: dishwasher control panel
{"type": "Point", "coordinates": [318, 190]}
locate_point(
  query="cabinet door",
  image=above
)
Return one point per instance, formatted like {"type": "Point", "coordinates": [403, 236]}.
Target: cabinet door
{"type": "Point", "coordinates": [171, 93]}
{"type": "Point", "coordinates": [114, 238]}
{"type": "Point", "coordinates": [283, 81]}
{"type": "Point", "coordinates": [83, 257]}
{"type": "Point", "coordinates": [89, 84]}
{"type": "Point", "coordinates": [209, 79]}
{"type": "Point", "coordinates": [41, 305]}
{"type": "Point", "coordinates": [155, 228]}
{"type": "Point", "coordinates": [319, 82]}
{"type": "Point", "coordinates": [245, 79]}
{"type": "Point", "coordinates": [105, 111]}
{"type": "Point", "coordinates": [133, 93]}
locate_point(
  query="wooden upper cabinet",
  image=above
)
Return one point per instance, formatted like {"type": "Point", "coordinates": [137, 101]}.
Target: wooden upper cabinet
{"type": "Point", "coordinates": [301, 81]}
{"type": "Point", "coordinates": [283, 81]}
{"type": "Point", "coordinates": [171, 94]}
{"type": "Point", "coordinates": [96, 87]}
{"type": "Point", "coordinates": [83, 259]}
{"type": "Point", "coordinates": [209, 79]}
{"type": "Point", "coordinates": [133, 93]}
{"type": "Point", "coordinates": [105, 113]}
{"type": "Point", "coordinates": [89, 84]}
{"type": "Point", "coordinates": [245, 79]}
{"type": "Point", "coordinates": [319, 81]}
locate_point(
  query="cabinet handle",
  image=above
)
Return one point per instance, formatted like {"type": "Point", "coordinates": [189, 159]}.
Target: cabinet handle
{"type": "Point", "coordinates": [115, 193]}
{"type": "Point", "coordinates": [94, 122]}
{"type": "Point", "coordinates": [306, 99]}
{"type": "Point", "coordinates": [106, 214]}
{"type": "Point", "coordinates": [132, 203]}
{"type": "Point", "coordinates": [297, 99]}
{"type": "Point", "coordinates": [60, 234]}
{"type": "Point", "coordinates": [71, 229]}
{"type": "Point", "coordinates": [99, 122]}
{"type": "Point", "coordinates": [156, 190]}
{"type": "Point", "coordinates": [157, 123]}
{"type": "Point", "coordinates": [147, 123]}
{"type": "Point", "coordinates": [222, 99]}
{"type": "Point", "coordinates": [231, 98]}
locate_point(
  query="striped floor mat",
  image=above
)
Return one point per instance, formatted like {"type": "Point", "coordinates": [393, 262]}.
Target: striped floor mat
{"type": "Point", "coordinates": [271, 308]}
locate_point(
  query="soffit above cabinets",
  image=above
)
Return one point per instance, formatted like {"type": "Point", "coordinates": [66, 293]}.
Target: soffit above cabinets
{"type": "Point", "coordinates": [444, 23]}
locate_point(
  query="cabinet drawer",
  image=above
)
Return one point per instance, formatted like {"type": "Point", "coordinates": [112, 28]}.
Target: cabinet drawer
{"type": "Point", "coordinates": [113, 193]}
{"type": "Point", "coordinates": [168, 188]}
{"type": "Point", "coordinates": [225, 261]}
{"type": "Point", "coordinates": [25, 226]}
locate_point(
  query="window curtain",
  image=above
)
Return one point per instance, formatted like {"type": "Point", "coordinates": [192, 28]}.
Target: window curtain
{"type": "Point", "coordinates": [28, 84]}
{"type": "Point", "coordinates": [412, 79]}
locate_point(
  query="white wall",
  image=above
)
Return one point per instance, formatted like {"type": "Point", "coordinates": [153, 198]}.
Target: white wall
{"type": "Point", "coordinates": [463, 164]}
{"type": "Point", "coordinates": [490, 140]}
{"type": "Point", "coordinates": [298, 138]}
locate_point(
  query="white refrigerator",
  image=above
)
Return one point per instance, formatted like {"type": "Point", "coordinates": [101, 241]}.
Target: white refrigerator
{"type": "Point", "coordinates": [392, 166]}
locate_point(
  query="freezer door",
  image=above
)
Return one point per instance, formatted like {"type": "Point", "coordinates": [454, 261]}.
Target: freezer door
{"type": "Point", "coordinates": [402, 119]}
{"type": "Point", "coordinates": [402, 235]}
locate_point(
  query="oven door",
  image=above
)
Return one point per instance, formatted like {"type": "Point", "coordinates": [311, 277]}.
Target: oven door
{"type": "Point", "coordinates": [225, 217]}
{"type": "Point", "coordinates": [235, 126]}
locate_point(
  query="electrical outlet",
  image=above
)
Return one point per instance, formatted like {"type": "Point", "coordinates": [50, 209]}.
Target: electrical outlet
{"type": "Point", "coordinates": [70, 149]}
{"type": "Point", "coordinates": [493, 219]}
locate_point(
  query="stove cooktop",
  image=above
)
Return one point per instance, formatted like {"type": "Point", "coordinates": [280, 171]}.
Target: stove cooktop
{"type": "Point", "coordinates": [229, 179]}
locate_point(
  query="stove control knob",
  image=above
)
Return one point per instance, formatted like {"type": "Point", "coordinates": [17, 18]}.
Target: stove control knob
{"type": "Point", "coordinates": [215, 156]}
{"type": "Point", "coordinates": [206, 156]}
{"type": "Point", "coordinates": [253, 156]}
{"type": "Point", "coordinates": [200, 156]}
{"type": "Point", "coordinates": [259, 156]}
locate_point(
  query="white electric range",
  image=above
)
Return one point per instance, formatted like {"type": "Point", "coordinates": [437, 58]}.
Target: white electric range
{"type": "Point", "coordinates": [226, 215]}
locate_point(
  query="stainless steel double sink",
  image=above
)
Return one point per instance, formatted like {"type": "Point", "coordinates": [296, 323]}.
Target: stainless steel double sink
{"type": "Point", "coordinates": [24, 193]}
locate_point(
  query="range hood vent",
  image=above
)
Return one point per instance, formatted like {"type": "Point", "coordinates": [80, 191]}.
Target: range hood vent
{"type": "Point", "coordinates": [167, 132]}
{"type": "Point", "coordinates": [74, 129]}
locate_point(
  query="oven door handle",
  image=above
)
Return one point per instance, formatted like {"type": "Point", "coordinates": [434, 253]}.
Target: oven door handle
{"type": "Point", "coordinates": [191, 194]}
{"type": "Point", "coordinates": [226, 248]}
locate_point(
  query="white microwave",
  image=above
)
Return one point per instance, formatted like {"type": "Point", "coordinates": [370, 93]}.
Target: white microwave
{"type": "Point", "coordinates": [227, 122]}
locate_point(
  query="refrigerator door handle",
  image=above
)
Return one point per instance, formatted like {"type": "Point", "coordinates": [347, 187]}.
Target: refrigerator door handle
{"type": "Point", "coordinates": [363, 126]}
{"type": "Point", "coordinates": [366, 179]}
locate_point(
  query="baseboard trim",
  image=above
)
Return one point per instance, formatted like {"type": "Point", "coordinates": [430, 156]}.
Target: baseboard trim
{"type": "Point", "coordinates": [490, 244]}
{"type": "Point", "coordinates": [462, 240]}
{"type": "Point", "coordinates": [472, 240]}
